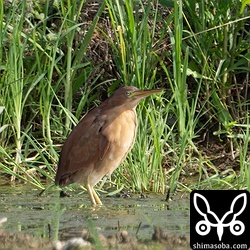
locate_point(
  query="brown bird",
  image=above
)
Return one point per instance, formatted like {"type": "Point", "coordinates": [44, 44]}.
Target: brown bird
{"type": "Point", "coordinates": [101, 140]}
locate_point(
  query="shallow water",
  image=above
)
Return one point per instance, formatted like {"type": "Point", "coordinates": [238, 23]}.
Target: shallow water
{"type": "Point", "coordinates": [50, 215]}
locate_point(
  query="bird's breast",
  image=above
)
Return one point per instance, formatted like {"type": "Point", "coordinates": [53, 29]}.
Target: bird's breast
{"type": "Point", "coordinates": [121, 134]}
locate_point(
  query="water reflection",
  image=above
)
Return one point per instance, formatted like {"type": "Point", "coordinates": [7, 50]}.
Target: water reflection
{"type": "Point", "coordinates": [67, 217]}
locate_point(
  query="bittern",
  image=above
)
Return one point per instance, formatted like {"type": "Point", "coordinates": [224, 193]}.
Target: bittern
{"type": "Point", "coordinates": [101, 141]}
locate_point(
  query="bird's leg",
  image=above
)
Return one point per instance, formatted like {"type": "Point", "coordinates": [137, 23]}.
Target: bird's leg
{"type": "Point", "coordinates": [97, 199]}
{"type": "Point", "coordinates": [91, 194]}
{"type": "Point", "coordinates": [94, 198]}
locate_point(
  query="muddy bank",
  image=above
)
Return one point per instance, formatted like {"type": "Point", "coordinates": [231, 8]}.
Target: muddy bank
{"type": "Point", "coordinates": [122, 240]}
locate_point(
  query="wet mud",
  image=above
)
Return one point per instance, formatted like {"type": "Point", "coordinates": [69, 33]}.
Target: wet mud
{"type": "Point", "coordinates": [49, 222]}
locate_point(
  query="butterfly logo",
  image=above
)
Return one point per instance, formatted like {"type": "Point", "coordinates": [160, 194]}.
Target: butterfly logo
{"type": "Point", "coordinates": [203, 227]}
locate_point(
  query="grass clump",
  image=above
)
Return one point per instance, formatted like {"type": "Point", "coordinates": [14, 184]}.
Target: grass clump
{"type": "Point", "coordinates": [59, 59]}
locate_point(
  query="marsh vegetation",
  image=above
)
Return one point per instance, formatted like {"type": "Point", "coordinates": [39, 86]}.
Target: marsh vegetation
{"type": "Point", "coordinates": [58, 59]}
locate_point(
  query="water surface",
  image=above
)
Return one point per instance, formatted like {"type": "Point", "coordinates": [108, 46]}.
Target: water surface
{"type": "Point", "coordinates": [52, 216]}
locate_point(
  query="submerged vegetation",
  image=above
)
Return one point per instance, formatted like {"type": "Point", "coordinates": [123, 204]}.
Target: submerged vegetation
{"type": "Point", "coordinates": [58, 59]}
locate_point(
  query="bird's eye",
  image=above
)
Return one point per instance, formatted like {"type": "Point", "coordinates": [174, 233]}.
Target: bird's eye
{"type": "Point", "coordinates": [128, 93]}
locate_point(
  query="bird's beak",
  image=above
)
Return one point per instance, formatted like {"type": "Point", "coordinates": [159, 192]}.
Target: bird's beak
{"type": "Point", "coordinates": [144, 93]}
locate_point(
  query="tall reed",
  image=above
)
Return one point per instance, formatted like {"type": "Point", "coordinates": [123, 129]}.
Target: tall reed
{"type": "Point", "coordinates": [198, 51]}
{"type": "Point", "coordinates": [134, 26]}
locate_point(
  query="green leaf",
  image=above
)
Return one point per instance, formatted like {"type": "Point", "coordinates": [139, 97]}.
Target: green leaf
{"type": "Point", "coordinates": [167, 3]}
{"type": "Point", "coordinates": [1, 109]}
{"type": "Point", "coordinates": [243, 5]}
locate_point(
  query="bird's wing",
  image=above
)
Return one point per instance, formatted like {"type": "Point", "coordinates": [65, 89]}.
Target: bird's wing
{"type": "Point", "coordinates": [104, 144]}
{"type": "Point", "coordinates": [85, 146]}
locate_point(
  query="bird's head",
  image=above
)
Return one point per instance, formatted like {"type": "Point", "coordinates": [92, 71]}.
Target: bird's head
{"type": "Point", "coordinates": [130, 96]}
